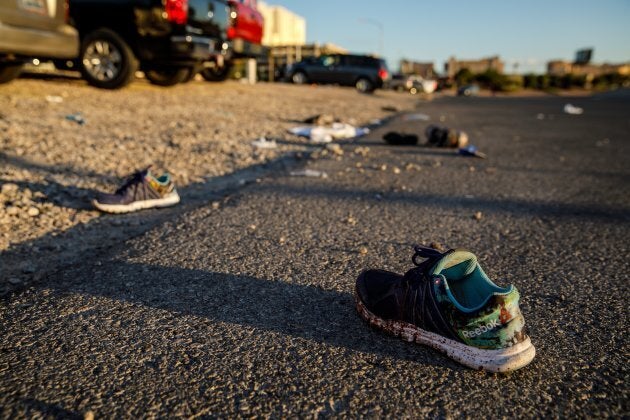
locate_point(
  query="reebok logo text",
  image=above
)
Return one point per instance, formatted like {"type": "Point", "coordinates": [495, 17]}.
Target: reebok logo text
{"type": "Point", "coordinates": [482, 329]}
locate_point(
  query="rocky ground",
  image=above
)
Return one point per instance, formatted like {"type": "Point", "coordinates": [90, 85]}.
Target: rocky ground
{"type": "Point", "coordinates": [51, 165]}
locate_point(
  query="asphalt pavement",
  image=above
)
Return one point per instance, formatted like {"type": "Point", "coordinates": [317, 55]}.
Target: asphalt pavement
{"type": "Point", "coordinates": [246, 308]}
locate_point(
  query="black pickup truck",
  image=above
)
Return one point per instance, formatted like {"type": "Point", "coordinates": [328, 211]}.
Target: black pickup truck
{"type": "Point", "coordinates": [169, 40]}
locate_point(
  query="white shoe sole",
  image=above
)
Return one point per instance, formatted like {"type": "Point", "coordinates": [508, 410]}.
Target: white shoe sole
{"type": "Point", "coordinates": [502, 360]}
{"type": "Point", "coordinates": [168, 200]}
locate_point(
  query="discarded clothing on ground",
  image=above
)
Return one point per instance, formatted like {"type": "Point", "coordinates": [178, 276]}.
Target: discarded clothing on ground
{"type": "Point", "coordinates": [573, 110]}
{"type": "Point", "coordinates": [445, 137]}
{"type": "Point", "coordinates": [400, 139]}
{"type": "Point", "coordinates": [324, 134]}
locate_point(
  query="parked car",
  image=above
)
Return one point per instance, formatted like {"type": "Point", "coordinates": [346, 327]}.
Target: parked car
{"type": "Point", "coordinates": [33, 28]}
{"type": "Point", "coordinates": [412, 84]}
{"type": "Point", "coordinates": [468, 90]}
{"type": "Point", "coordinates": [169, 40]}
{"type": "Point", "coordinates": [364, 72]}
{"type": "Point", "coordinates": [244, 34]}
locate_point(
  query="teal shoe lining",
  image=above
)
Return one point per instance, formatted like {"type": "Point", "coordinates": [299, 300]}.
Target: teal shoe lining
{"type": "Point", "coordinates": [467, 286]}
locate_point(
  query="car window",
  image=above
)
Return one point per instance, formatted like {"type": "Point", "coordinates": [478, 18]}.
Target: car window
{"type": "Point", "coordinates": [329, 60]}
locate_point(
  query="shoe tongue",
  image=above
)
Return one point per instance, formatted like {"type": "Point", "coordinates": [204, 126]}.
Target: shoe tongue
{"type": "Point", "coordinates": [454, 259]}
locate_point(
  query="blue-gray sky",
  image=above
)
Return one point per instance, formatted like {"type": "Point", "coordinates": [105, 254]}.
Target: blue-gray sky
{"type": "Point", "coordinates": [527, 32]}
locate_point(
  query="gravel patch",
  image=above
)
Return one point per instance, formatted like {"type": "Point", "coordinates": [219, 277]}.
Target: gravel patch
{"type": "Point", "coordinates": [61, 141]}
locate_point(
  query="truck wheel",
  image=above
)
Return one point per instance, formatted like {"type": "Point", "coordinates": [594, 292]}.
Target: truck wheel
{"type": "Point", "coordinates": [364, 85]}
{"type": "Point", "coordinates": [167, 77]}
{"type": "Point", "coordinates": [216, 74]}
{"type": "Point", "coordinates": [299, 78]}
{"type": "Point", "coordinates": [9, 72]}
{"type": "Point", "coordinates": [106, 61]}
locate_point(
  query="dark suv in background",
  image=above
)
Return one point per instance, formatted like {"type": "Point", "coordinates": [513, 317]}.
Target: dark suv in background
{"type": "Point", "coordinates": [364, 72]}
{"type": "Point", "coordinates": [169, 40]}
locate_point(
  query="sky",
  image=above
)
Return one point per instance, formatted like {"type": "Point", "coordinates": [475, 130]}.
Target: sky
{"type": "Point", "coordinates": [528, 33]}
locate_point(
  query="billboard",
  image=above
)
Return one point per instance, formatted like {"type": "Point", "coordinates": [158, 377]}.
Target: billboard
{"type": "Point", "coordinates": [583, 56]}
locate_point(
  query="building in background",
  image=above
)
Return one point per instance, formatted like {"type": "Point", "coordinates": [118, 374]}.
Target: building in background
{"type": "Point", "coordinates": [282, 27]}
{"type": "Point", "coordinates": [452, 66]}
{"type": "Point", "coordinates": [409, 68]}
{"type": "Point", "coordinates": [582, 66]}
{"type": "Point", "coordinates": [285, 36]}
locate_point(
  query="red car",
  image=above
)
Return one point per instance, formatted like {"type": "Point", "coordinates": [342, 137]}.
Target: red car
{"type": "Point", "coordinates": [244, 33]}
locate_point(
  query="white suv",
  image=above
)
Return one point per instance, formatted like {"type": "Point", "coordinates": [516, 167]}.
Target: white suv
{"type": "Point", "coordinates": [34, 28]}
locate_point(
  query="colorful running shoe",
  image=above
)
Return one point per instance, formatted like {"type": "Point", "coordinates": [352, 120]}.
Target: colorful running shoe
{"type": "Point", "coordinates": [141, 191]}
{"type": "Point", "coordinates": [447, 302]}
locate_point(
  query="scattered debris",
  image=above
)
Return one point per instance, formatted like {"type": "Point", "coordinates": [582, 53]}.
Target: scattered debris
{"type": "Point", "coordinates": [54, 99]}
{"type": "Point", "coordinates": [602, 143]}
{"type": "Point", "coordinates": [320, 119]}
{"type": "Point", "coordinates": [363, 250]}
{"type": "Point", "coordinates": [412, 167]}
{"type": "Point", "coordinates": [396, 170]}
{"type": "Point", "coordinates": [77, 118]}
{"type": "Point", "coordinates": [309, 173]}
{"type": "Point", "coordinates": [400, 139]}
{"type": "Point", "coordinates": [471, 151]}
{"type": "Point", "coordinates": [335, 149]}
{"type": "Point", "coordinates": [390, 108]}
{"type": "Point", "coordinates": [361, 151]}
{"type": "Point", "coordinates": [445, 137]}
{"type": "Point", "coordinates": [337, 131]}
{"type": "Point", "coordinates": [540, 116]}
{"type": "Point", "coordinates": [478, 215]}
{"type": "Point", "coordinates": [573, 110]}
{"type": "Point", "coordinates": [263, 143]}
{"type": "Point", "coordinates": [416, 117]}
{"type": "Point", "coordinates": [351, 220]}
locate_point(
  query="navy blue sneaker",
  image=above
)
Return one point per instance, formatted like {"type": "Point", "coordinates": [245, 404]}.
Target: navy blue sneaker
{"type": "Point", "coordinates": [447, 302]}
{"type": "Point", "coordinates": [141, 191]}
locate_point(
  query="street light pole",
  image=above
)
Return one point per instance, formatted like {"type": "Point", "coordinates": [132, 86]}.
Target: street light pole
{"type": "Point", "coordinates": [379, 25]}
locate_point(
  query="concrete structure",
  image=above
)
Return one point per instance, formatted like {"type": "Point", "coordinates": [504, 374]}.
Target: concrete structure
{"type": "Point", "coordinates": [452, 66]}
{"type": "Point", "coordinates": [561, 68]}
{"type": "Point", "coordinates": [282, 27]}
{"type": "Point", "coordinates": [426, 70]}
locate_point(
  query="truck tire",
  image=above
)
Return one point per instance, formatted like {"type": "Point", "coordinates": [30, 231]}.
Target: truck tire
{"type": "Point", "coordinates": [9, 72]}
{"type": "Point", "coordinates": [167, 76]}
{"type": "Point", "coordinates": [215, 74]}
{"type": "Point", "coordinates": [106, 61]}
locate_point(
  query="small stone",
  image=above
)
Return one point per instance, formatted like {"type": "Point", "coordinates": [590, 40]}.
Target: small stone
{"type": "Point", "coordinates": [478, 215]}
{"type": "Point", "coordinates": [13, 210]}
{"type": "Point", "coordinates": [437, 245]}
{"type": "Point", "coordinates": [9, 188]}
{"type": "Point", "coordinates": [282, 240]}
{"type": "Point", "coordinates": [471, 169]}
{"type": "Point", "coordinates": [215, 205]}
{"type": "Point", "coordinates": [412, 167]}
{"type": "Point", "coordinates": [351, 220]}
{"type": "Point", "coordinates": [383, 167]}
{"type": "Point", "coordinates": [89, 415]}
{"type": "Point", "coordinates": [396, 170]}
{"type": "Point", "coordinates": [363, 250]}
{"type": "Point", "coordinates": [33, 212]}
{"type": "Point", "coordinates": [335, 149]}
{"type": "Point", "coordinates": [362, 151]}
{"type": "Point", "coordinates": [252, 227]}
{"type": "Point", "coordinates": [28, 268]}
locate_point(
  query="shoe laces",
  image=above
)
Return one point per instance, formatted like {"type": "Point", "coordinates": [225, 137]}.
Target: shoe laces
{"type": "Point", "coordinates": [428, 253]}
{"type": "Point", "coordinates": [132, 181]}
